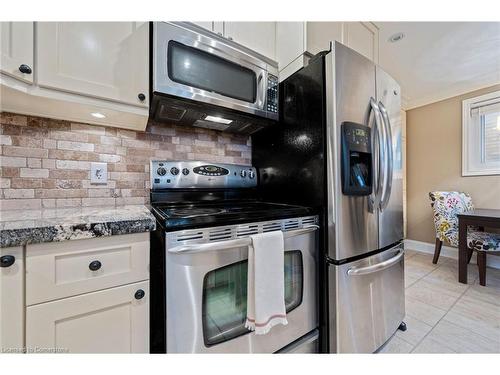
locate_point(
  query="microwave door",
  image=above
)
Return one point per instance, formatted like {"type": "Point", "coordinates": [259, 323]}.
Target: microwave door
{"type": "Point", "coordinates": [193, 66]}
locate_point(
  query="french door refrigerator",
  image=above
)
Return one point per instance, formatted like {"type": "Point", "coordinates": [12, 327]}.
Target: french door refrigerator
{"type": "Point", "coordinates": [337, 148]}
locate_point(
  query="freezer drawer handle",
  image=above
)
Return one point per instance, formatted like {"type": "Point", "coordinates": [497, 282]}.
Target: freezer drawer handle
{"type": "Point", "coordinates": [376, 267]}
{"type": "Point", "coordinates": [229, 244]}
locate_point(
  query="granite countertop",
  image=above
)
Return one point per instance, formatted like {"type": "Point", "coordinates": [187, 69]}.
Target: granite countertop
{"type": "Point", "coordinates": [19, 227]}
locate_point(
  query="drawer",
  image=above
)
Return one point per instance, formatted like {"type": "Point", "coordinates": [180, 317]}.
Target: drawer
{"type": "Point", "coordinates": [63, 269]}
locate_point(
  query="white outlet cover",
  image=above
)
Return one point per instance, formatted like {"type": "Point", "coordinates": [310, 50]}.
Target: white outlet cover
{"type": "Point", "coordinates": [98, 173]}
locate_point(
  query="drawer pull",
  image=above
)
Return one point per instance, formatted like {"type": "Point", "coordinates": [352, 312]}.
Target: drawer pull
{"type": "Point", "coordinates": [139, 294]}
{"type": "Point", "coordinates": [95, 265]}
{"type": "Point", "coordinates": [7, 260]}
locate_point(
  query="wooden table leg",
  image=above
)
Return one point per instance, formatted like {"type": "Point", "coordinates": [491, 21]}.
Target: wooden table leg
{"type": "Point", "coordinates": [462, 252]}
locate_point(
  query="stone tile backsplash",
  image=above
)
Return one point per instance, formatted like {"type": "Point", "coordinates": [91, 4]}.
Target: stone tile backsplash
{"type": "Point", "coordinates": [45, 163]}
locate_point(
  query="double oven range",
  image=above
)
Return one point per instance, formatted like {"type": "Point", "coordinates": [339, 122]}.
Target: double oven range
{"type": "Point", "coordinates": [205, 215]}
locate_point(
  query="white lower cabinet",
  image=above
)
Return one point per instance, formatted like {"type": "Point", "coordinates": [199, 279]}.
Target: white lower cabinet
{"type": "Point", "coordinates": [11, 300]}
{"type": "Point", "coordinates": [81, 296]}
{"type": "Point", "coordinates": [113, 320]}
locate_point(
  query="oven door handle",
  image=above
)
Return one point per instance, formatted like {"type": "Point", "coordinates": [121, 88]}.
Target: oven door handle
{"type": "Point", "coordinates": [354, 271]}
{"type": "Point", "coordinates": [231, 244]}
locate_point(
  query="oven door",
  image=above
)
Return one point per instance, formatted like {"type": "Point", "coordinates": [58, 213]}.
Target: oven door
{"type": "Point", "coordinates": [207, 296]}
{"type": "Point", "coordinates": [190, 64]}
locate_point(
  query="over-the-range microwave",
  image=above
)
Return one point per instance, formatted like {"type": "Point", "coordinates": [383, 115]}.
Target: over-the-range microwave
{"type": "Point", "coordinates": [202, 79]}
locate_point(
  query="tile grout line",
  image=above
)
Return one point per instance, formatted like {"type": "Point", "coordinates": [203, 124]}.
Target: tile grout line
{"type": "Point", "coordinates": [447, 311]}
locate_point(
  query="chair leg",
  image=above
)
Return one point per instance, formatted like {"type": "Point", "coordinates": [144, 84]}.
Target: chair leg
{"type": "Point", "coordinates": [481, 264]}
{"type": "Point", "coordinates": [470, 255]}
{"type": "Point", "coordinates": [437, 250]}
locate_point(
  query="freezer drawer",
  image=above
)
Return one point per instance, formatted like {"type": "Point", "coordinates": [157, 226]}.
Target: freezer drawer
{"type": "Point", "coordinates": [368, 295]}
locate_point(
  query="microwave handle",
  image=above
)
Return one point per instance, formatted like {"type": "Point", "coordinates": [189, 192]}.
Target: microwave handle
{"type": "Point", "coordinates": [261, 95]}
{"type": "Point", "coordinates": [231, 244]}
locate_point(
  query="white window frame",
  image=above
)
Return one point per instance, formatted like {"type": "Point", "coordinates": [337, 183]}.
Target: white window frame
{"type": "Point", "coordinates": [468, 167]}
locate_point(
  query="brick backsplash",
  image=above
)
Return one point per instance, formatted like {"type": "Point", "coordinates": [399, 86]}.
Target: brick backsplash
{"type": "Point", "coordinates": [45, 163]}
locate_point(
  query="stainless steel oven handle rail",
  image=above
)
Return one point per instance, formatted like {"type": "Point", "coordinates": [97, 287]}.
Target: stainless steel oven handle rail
{"type": "Point", "coordinates": [376, 267]}
{"type": "Point", "coordinates": [231, 244]}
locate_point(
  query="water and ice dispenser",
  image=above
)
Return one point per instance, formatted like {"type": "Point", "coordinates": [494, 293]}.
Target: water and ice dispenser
{"type": "Point", "coordinates": [356, 165]}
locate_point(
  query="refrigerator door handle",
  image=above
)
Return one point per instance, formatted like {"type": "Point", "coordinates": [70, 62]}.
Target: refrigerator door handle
{"type": "Point", "coordinates": [354, 271]}
{"type": "Point", "coordinates": [378, 155]}
{"type": "Point", "coordinates": [389, 162]}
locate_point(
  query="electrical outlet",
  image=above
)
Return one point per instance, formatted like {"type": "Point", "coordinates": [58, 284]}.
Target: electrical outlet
{"type": "Point", "coordinates": [98, 173]}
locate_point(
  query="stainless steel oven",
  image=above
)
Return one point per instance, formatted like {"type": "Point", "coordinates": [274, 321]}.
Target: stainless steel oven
{"type": "Point", "coordinates": [206, 288]}
{"type": "Point", "coordinates": [205, 80]}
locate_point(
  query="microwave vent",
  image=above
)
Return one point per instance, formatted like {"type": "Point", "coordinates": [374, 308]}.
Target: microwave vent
{"type": "Point", "coordinates": [171, 113]}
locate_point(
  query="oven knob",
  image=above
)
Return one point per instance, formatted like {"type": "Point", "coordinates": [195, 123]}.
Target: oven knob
{"type": "Point", "coordinates": [185, 171]}
{"type": "Point", "coordinates": [251, 174]}
{"type": "Point", "coordinates": [174, 171]}
{"type": "Point", "coordinates": [161, 171]}
{"type": "Point", "coordinates": [243, 173]}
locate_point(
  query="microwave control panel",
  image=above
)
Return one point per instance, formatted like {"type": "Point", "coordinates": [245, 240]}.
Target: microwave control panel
{"type": "Point", "coordinates": [272, 93]}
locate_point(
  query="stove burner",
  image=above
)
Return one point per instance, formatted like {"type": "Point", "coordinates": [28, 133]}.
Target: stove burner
{"type": "Point", "coordinates": [193, 212]}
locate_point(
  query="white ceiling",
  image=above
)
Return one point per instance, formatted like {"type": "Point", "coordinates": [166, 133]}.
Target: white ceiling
{"type": "Point", "coordinates": [438, 60]}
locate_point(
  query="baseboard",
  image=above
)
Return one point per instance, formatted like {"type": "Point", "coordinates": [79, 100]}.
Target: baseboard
{"type": "Point", "coordinates": [448, 251]}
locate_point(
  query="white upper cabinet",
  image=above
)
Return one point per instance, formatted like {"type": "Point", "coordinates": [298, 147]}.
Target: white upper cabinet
{"type": "Point", "coordinates": [16, 50]}
{"type": "Point", "coordinates": [295, 41]}
{"type": "Point", "coordinates": [108, 60]}
{"type": "Point", "coordinates": [290, 42]}
{"type": "Point", "coordinates": [320, 34]}
{"type": "Point", "coordinates": [360, 36]}
{"type": "Point", "coordinates": [363, 38]}
{"type": "Point", "coordinates": [213, 26]}
{"type": "Point", "coordinates": [258, 36]}
{"type": "Point", "coordinates": [209, 25]}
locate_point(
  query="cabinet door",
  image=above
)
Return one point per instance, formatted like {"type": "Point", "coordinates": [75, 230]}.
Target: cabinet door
{"type": "Point", "coordinates": [363, 38]}
{"type": "Point", "coordinates": [290, 43]}
{"type": "Point", "coordinates": [108, 60]}
{"type": "Point", "coordinates": [108, 321]}
{"type": "Point", "coordinates": [11, 300]}
{"type": "Point", "coordinates": [16, 49]}
{"type": "Point", "coordinates": [209, 25]}
{"type": "Point", "coordinates": [258, 36]}
{"type": "Point", "coordinates": [320, 34]}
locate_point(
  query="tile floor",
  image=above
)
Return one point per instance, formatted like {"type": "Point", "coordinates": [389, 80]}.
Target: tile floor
{"type": "Point", "coordinates": [444, 316]}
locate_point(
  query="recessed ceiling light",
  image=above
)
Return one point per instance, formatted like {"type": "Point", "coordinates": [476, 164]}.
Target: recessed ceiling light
{"type": "Point", "coordinates": [98, 115]}
{"type": "Point", "coordinates": [396, 37]}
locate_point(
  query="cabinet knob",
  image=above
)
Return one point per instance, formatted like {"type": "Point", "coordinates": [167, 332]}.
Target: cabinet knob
{"type": "Point", "coordinates": [7, 260]}
{"type": "Point", "coordinates": [230, 38]}
{"type": "Point", "coordinates": [139, 294]}
{"type": "Point", "coordinates": [95, 265]}
{"type": "Point", "coordinates": [23, 68]}
{"type": "Point", "coordinates": [141, 97]}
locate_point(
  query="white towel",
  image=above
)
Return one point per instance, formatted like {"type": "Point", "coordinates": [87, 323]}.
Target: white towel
{"type": "Point", "coordinates": [266, 282]}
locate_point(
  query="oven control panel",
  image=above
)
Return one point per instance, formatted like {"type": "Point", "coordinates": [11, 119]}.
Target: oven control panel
{"type": "Point", "coordinates": [167, 174]}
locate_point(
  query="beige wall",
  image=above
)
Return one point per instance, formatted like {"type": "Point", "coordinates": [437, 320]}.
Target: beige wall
{"type": "Point", "coordinates": [434, 152]}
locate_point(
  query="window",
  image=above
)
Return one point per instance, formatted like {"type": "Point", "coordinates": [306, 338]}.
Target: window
{"type": "Point", "coordinates": [225, 297]}
{"type": "Point", "coordinates": [481, 135]}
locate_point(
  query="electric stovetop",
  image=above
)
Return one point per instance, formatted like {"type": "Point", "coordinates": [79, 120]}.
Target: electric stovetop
{"type": "Point", "coordinates": [203, 214]}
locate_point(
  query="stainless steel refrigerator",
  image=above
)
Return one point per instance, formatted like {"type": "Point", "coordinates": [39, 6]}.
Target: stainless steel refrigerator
{"type": "Point", "coordinates": [337, 148]}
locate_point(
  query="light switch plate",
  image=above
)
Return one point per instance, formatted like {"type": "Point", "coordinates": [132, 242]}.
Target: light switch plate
{"type": "Point", "coordinates": [98, 173]}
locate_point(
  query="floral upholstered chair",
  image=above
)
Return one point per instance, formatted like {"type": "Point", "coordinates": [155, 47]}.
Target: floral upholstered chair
{"type": "Point", "coordinates": [446, 206]}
